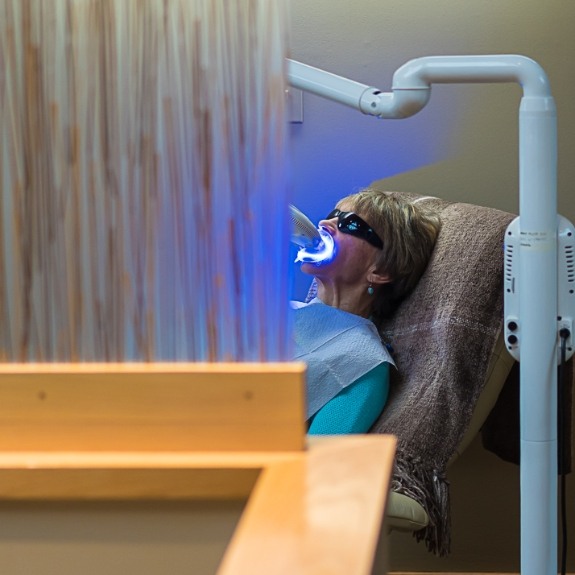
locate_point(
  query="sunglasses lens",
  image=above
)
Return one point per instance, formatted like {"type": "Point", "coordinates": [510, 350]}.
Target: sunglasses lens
{"type": "Point", "coordinates": [352, 224]}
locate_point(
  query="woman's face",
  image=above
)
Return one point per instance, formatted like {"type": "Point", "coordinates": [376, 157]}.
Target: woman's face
{"type": "Point", "coordinates": [354, 257]}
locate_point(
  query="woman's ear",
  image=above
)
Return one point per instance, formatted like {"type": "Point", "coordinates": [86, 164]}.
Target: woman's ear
{"type": "Point", "coordinates": [378, 278]}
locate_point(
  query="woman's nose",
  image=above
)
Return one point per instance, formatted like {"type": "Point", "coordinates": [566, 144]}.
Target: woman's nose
{"type": "Point", "coordinates": [329, 224]}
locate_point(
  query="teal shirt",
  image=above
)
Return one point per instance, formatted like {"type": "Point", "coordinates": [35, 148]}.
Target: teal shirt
{"type": "Point", "coordinates": [355, 408]}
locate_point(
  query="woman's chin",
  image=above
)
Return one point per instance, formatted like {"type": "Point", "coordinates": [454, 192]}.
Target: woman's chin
{"type": "Point", "coordinates": [308, 268]}
{"type": "Point", "coordinates": [311, 268]}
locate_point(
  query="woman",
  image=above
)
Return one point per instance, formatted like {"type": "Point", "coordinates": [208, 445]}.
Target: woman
{"type": "Point", "coordinates": [383, 242]}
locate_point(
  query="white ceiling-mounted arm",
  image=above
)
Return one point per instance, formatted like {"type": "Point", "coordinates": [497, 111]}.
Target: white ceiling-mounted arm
{"type": "Point", "coordinates": [411, 85]}
{"type": "Point", "coordinates": [422, 72]}
{"type": "Point", "coordinates": [366, 99]}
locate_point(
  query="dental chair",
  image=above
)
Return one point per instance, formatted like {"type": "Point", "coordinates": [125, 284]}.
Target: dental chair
{"type": "Point", "coordinates": [452, 365]}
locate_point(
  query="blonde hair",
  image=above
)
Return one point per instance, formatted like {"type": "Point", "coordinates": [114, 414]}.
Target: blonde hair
{"type": "Point", "coordinates": [408, 231]}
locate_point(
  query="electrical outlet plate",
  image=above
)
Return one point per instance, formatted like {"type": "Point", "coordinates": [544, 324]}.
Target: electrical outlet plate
{"type": "Point", "coordinates": [294, 105]}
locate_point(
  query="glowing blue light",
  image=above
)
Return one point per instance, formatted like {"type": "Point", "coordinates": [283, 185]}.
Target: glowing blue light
{"type": "Point", "coordinates": [322, 254]}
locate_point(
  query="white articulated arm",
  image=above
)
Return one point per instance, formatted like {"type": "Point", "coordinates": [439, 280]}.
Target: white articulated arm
{"type": "Point", "coordinates": [411, 86]}
{"type": "Point", "coordinates": [366, 99]}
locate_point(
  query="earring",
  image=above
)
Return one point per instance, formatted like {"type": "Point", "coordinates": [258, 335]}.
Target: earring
{"type": "Point", "coordinates": [370, 289]}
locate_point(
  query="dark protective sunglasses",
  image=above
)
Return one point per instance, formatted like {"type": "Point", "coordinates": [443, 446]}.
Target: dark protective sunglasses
{"type": "Point", "coordinates": [352, 224]}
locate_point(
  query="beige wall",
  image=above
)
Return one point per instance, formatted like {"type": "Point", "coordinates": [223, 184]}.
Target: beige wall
{"type": "Point", "coordinates": [464, 143]}
{"type": "Point", "coordinates": [462, 146]}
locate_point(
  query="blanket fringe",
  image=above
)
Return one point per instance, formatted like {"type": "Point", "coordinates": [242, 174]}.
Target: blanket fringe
{"type": "Point", "coordinates": [428, 486]}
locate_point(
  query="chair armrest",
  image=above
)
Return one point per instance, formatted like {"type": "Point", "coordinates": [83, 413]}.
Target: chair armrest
{"type": "Point", "coordinates": [404, 513]}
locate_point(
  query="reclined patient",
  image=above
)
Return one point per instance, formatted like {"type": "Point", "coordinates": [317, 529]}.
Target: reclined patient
{"type": "Point", "coordinates": [382, 244]}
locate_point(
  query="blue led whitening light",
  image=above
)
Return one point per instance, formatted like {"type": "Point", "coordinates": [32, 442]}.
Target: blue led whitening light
{"type": "Point", "coordinates": [324, 252]}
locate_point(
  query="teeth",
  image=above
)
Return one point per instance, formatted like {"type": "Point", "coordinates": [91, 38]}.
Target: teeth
{"type": "Point", "coordinates": [323, 253]}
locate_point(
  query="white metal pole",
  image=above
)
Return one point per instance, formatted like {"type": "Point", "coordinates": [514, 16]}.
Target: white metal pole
{"type": "Point", "coordinates": [538, 325]}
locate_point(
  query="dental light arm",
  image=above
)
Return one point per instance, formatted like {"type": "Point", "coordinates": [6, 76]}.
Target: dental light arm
{"type": "Point", "coordinates": [411, 85]}
{"type": "Point", "coordinates": [536, 254]}
{"type": "Point", "coordinates": [316, 244]}
{"type": "Point", "coordinates": [304, 233]}
{"type": "Point", "coordinates": [366, 99]}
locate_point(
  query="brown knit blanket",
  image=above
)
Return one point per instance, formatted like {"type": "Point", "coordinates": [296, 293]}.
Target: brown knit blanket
{"type": "Point", "coordinates": [442, 337]}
